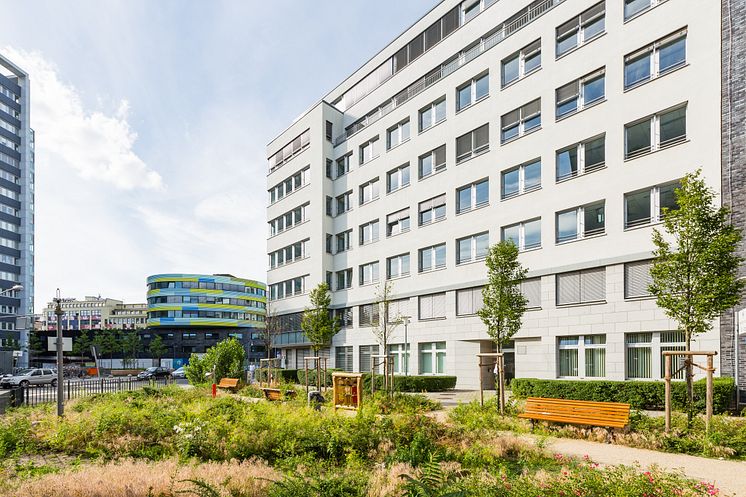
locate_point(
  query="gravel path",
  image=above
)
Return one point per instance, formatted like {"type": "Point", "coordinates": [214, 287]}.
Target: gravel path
{"type": "Point", "coordinates": [729, 476]}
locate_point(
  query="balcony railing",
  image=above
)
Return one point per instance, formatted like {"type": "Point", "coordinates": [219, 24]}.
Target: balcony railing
{"type": "Point", "coordinates": [508, 28]}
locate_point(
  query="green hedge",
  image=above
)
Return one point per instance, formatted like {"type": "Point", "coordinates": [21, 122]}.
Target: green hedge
{"type": "Point", "coordinates": [414, 383]}
{"type": "Point", "coordinates": [639, 394]}
{"type": "Point", "coordinates": [284, 375]}
{"type": "Point", "coordinates": [301, 376]}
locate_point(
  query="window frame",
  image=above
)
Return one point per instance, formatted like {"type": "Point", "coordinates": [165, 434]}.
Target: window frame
{"type": "Point", "coordinates": [522, 247]}
{"type": "Point", "coordinates": [399, 259]}
{"type": "Point", "coordinates": [374, 152]}
{"type": "Point", "coordinates": [374, 270]}
{"type": "Point", "coordinates": [473, 203]}
{"type": "Point", "coordinates": [655, 207]}
{"type": "Point", "coordinates": [433, 256]}
{"type": "Point", "coordinates": [474, 254]}
{"type": "Point", "coordinates": [654, 122]}
{"type": "Point", "coordinates": [522, 189]}
{"type": "Point", "coordinates": [652, 53]}
{"type": "Point", "coordinates": [579, 25]}
{"type": "Point", "coordinates": [581, 233]}
{"type": "Point", "coordinates": [523, 116]}
{"type": "Point", "coordinates": [525, 53]}
{"type": "Point", "coordinates": [399, 173]}
{"type": "Point", "coordinates": [375, 191]}
{"type": "Point", "coordinates": [374, 227]}
{"type": "Point", "coordinates": [398, 129]}
{"type": "Point", "coordinates": [579, 95]}
{"type": "Point", "coordinates": [432, 108]}
{"type": "Point", "coordinates": [472, 85]}
{"type": "Point", "coordinates": [435, 167]}
{"type": "Point", "coordinates": [346, 275]}
{"type": "Point", "coordinates": [475, 149]}
{"type": "Point", "coordinates": [581, 167]}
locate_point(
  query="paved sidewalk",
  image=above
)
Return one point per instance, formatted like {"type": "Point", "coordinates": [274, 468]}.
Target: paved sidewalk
{"type": "Point", "coordinates": [729, 476]}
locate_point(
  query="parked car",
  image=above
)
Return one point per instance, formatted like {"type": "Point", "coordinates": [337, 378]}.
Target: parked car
{"type": "Point", "coordinates": [34, 376]}
{"type": "Point", "coordinates": [153, 373]}
{"type": "Point", "coordinates": [178, 373]}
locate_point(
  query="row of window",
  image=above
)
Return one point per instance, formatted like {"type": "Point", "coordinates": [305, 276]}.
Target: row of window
{"type": "Point", "coordinates": [289, 185]}
{"type": "Point", "coordinates": [288, 288]}
{"type": "Point", "coordinates": [293, 148]}
{"type": "Point", "coordinates": [10, 111]}
{"type": "Point", "coordinates": [9, 160]}
{"type": "Point", "coordinates": [11, 95]}
{"type": "Point", "coordinates": [208, 285]}
{"type": "Point", "coordinates": [432, 358]}
{"type": "Point", "coordinates": [289, 254]}
{"type": "Point", "coordinates": [8, 210]}
{"type": "Point", "coordinates": [9, 143]}
{"type": "Point", "coordinates": [206, 314]}
{"type": "Point", "coordinates": [202, 299]}
{"type": "Point", "coordinates": [289, 220]}
{"type": "Point", "coordinates": [8, 127]}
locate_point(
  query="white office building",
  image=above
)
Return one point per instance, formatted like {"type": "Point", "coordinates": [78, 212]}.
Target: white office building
{"type": "Point", "coordinates": [563, 125]}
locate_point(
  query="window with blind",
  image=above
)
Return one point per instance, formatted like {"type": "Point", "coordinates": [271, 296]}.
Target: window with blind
{"type": "Point", "coordinates": [473, 143]}
{"type": "Point", "coordinates": [645, 358]}
{"type": "Point", "coordinates": [655, 60]}
{"type": "Point", "coordinates": [432, 306]}
{"type": "Point", "coordinates": [672, 341]}
{"type": "Point", "coordinates": [531, 290]}
{"type": "Point", "coordinates": [576, 95]}
{"type": "Point", "coordinates": [469, 301]}
{"type": "Point", "coordinates": [366, 352]}
{"type": "Point", "coordinates": [582, 356]}
{"type": "Point", "coordinates": [568, 356]}
{"type": "Point", "coordinates": [521, 63]}
{"type": "Point", "coordinates": [580, 287]}
{"type": "Point", "coordinates": [431, 258]}
{"type": "Point", "coordinates": [520, 121]}
{"type": "Point", "coordinates": [344, 316]}
{"type": "Point", "coordinates": [343, 358]}
{"type": "Point", "coordinates": [639, 355]}
{"type": "Point", "coordinates": [521, 179]}
{"type": "Point", "coordinates": [637, 279]}
{"type": "Point", "coordinates": [432, 210]}
{"type": "Point", "coordinates": [398, 222]}
{"type": "Point", "coordinates": [581, 158]}
{"type": "Point", "coordinates": [432, 162]}
{"type": "Point", "coordinates": [368, 315]}
{"type": "Point", "coordinates": [581, 29]}
{"type": "Point", "coordinates": [655, 132]}
{"type": "Point", "coordinates": [634, 7]}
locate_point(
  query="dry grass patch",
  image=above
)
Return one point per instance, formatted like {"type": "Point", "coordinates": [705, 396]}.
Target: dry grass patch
{"type": "Point", "coordinates": [142, 479]}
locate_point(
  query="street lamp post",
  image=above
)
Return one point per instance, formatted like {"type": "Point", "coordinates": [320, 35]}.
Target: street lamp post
{"type": "Point", "coordinates": [60, 391]}
{"type": "Point", "coordinates": [405, 320]}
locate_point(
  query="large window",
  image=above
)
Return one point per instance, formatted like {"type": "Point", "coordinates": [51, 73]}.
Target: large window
{"type": "Point", "coordinates": [289, 185]}
{"type": "Point", "coordinates": [582, 356]}
{"type": "Point", "coordinates": [469, 301]}
{"type": "Point", "coordinates": [645, 354]}
{"type": "Point", "coordinates": [432, 114]}
{"type": "Point", "coordinates": [582, 92]}
{"type": "Point", "coordinates": [655, 60]}
{"type": "Point", "coordinates": [369, 315]}
{"type": "Point", "coordinates": [369, 232]}
{"type": "Point", "coordinates": [637, 279]}
{"type": "Point", "coordinates": [525, 235]}
{"type": "Point", "coordinates": [398, 222]}
{"type": "Point", "coordinates": [366, 357]}
{"type": "Point", "coordinates": [369, 191]}
{"type": "Point", "coordinates": [649, 205]}
{"type": "Point", "coordinates": [432, 162]}
{"type": "Point", "coordinates": [343, 358]}
{"type": "Point", "coordinates": [291, 253]}
{"type": "Point", "coordinates": [521, 120]}
{"type": "Point", "coordinates": [472, 248]}
{"type": "Point", "coordinates": [369, 150]}
{"type": "Point", "coordinates": [521, 63]}
{"type": "Point", "coordinates": [531, 289]}
{"type": "Point", "coordinates": [634, 7]}
{"type": "Point", "coordinates": [581, 29]}
{"type": "Point", "coordinates": [397, 178]}
{"type": "Point", "coordinates": [433, 358]}
{"type": "Point", "coordinates": [397, 266]}
{"type": "Point", "coordinates": [288, 288]}
{"type": "Point", "coordinates": [399, 353]}
{"type": "Point", "coordinates": [431, 258]}
{"type": "Point", "coordinates": [581, 222]}
{"type": "Point", "coordinates": [343, 165]}
{"type": "Point", "coordinates": [344, 241]}
{"type": "Point", "coordinates": [344, 279]}
{"type": "Point", "coordinates": [397, 135]}
{"type": "Point", "coordinates": [472, 91]}
{"type": "Point", "coordinates": [472, 196]}
{"type": "Point", "coordinates": [473, 143]}
{"type": "Point", "coordinates": [344, 202]}
{"type": "Point", "coordinates": [369, 273]}
{"type": "Point", "coordinates": [655, 132]}
{"type": "Point", "coordinates": [282, 223]}
{"type": "Point", "coordinates": [344, 315]}
{"type": "Point", "coordinates": [581, 158]}
{"type": "Point", "coordinates": [581, 287]}
{"type": "Point", "coordinates": [432, 306]}
{"type": "Point", "coordinates": [432, 210]}
{"type": "Point", "coordinates": [521, 179]}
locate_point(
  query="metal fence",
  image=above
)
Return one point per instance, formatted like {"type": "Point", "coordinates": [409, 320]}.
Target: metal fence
{"type": "Point", "coordinates": [72, 389]}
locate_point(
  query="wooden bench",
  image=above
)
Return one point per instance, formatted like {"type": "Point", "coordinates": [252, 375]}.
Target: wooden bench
{"type": "Point", "coordinates": [275, 394]}
{"type": "Point", "coordinates": [228, 383]}
{"type": "Point", "coordinates": [578, 412]}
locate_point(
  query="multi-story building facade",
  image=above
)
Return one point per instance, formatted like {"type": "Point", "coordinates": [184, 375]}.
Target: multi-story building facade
{"type": "Point", "coordinates": [192, 312]}
{"type": "Point", "coordinates": [94, 313]}
{"type": "Point", "coordinates": [563, 125]}
{"type": "Point", "coordinates": [16, 208]}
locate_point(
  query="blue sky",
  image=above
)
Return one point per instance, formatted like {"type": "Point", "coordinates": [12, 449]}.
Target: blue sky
{"type": "Point", "coordinates": [152, 119]}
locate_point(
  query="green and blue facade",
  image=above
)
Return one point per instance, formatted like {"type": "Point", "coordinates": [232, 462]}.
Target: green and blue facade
{"type": "Point", "coordinates": [192, 312]}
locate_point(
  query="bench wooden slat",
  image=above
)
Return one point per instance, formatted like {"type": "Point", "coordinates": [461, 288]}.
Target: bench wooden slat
{"type": "Point", "coordinates": [228, 383]}
{"type": "Point", "coordinates": [611, 414]}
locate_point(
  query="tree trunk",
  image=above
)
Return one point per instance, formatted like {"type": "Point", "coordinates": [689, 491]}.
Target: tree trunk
{"type": "Point", "coordinates": [689, 380]}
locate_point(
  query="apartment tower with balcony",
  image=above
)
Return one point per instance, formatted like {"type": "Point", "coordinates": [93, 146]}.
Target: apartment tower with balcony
{"type": "Point", "coordinates": [563, 125]}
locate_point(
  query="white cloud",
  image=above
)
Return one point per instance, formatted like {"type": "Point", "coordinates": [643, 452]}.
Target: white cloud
{"type": "Point", "coordinates": [96, 145]}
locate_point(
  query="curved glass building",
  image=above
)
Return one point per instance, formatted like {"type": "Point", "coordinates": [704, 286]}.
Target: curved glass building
{"type": "Point", "coordinates": [192, 312]}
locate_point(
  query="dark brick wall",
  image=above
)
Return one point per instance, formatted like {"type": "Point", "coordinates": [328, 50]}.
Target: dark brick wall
{"type": "Point", "coordinates": [733, 157]}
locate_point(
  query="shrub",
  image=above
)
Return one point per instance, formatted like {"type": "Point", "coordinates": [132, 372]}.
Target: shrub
{"type": "Point", "coordinates": [414, 383]}
{"type": "Point", "coordinates": [639, 394]}
{"type": "Point", "coordinates": [224, 358]}
{"type": "Point", "coordinates": [301, 376]}
{"type": "Point", "coordinates": [283, 375]}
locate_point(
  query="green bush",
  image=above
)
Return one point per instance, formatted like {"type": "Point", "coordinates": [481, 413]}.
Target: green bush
{"type": "Point", "coordinates": [224, 358]}
{"type": "Point", "coordinates": [639, 394]}
{"type": "Point", "coordinates": [414, 383]}
{"type": "Point", "coordinates": [301, 376]}
{"type": "Point", "coordinates": [284, 375]}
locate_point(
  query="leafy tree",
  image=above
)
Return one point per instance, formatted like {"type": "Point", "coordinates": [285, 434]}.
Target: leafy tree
{"type": "Point", "coordinates": [157, 348]}
{"type": "Point", "coordinates": [317, 322]}
{"type": "Point", "coordinates": [35, 345]}
{"type": "Point", "coordinates": [384, 328]}
{"type": "Point", "coordinates": [504, 304]}
{"type": "Point", "coordinates": [695, 270]}
{"type": "Point", "coordinates": [130, 345]}
{"type": "Point", "coordinates": [82, 345]}
{"type": "Point", "coordinates": [272, 328]}
{"type": "Point", "coordinates": [225, 358]}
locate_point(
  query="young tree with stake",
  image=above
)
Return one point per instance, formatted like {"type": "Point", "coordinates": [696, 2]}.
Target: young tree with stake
{"type": "Point", "coordinates": [318, 323]}
{"type": "Point", "coordinates": [385, 326]}
{"type": "Point", "coordinates": [503, 303]}
{"type": "Point", "coordinates": [695, 269]}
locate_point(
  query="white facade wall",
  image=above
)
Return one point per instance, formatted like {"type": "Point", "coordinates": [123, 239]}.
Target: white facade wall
{"type": "Point", "coordinates": [697, 84]}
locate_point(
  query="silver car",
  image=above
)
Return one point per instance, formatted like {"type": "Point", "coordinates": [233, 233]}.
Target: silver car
{"type": "Point", "coordinates": [35, 376]}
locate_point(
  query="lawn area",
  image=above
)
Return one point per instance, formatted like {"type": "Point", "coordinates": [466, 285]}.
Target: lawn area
{"type": "Point", "coordinates": [169, 442]}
